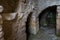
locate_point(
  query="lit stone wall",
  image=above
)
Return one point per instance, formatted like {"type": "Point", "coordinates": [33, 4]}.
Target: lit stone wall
{"type": "Point", "coordinates": [58, 21]}
{"type": "Point", "coordinates": [14, 21]}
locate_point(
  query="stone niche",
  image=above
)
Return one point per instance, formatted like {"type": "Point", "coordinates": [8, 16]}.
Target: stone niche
{"type": "Point", "coordinates": [9, 5]}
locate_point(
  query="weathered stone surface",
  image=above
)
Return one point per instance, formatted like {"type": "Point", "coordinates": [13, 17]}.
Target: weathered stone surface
{"type": "Point", "coordinates": [23, 37]}
{"type": "Point", "coordinates": [1, 20]}
{"type": "Point", "coordinates": [2, 39]}
{"type": "Point", "coordinates": [58, 21]}
{"type": "Point", "coordinates": [9, 16]}
{"type": "Point", "coordinates": [33, 29]}
{"type": "Point", "coordinates": [58, 16]}
{"type": "Point", "coordinates": [9, 5]}
{"type": "Point", "coordinates": [20, 15]}
{"type": "Point", "coordinates": [1, 8]}
{"type": "Point", "coordinates": [7, 28]}
{"type": "Point", "coordinates": [58, 27]}
{"type": "Point", "coordinates": [1, 28]}
{"type": "Point", "coordinates": [1, 34]}
{"type": "Point", "coordinates": [13, 28]}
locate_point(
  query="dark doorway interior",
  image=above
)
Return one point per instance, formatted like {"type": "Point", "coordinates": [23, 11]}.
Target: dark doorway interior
{"type": "Point", "coordinates": [28, 24]}
{"type": "Point", "coordinates": [47, 19]}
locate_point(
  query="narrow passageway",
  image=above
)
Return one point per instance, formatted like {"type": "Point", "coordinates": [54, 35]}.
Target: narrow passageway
{"type": "Point", "coordinates": [47, 24]}
{"type": "Point", "coordinates": [27, 25]}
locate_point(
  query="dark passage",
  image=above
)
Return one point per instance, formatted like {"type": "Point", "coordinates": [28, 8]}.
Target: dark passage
{"type": "Point", "coordinates": [47, 17]}
{"type": "Point", "coordinates": [27, 25]}
{"type": "Point", "coordinates": [47, 21]}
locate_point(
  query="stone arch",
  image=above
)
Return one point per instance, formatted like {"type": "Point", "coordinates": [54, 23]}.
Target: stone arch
{"type": "Point", "coordinates": [45, 9]}
{"type": "Point", "coordinates": [39, 11]}
{"type": "Point", "coordinates": [46, 3]}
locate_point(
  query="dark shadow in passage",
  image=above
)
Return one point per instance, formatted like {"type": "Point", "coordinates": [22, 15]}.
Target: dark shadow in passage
{"type": "Point", "coordinates": [44, 12]}
{"type": "Point", "coordinates": [27, 25]}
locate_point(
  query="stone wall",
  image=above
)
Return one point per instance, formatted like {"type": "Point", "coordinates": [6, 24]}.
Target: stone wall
{"type": "Point", "coordinates": [14, 21]}
{"type": "Point", "coordinates": [9, 5]}
{"type": "Point", "coordinates": [58, 21]}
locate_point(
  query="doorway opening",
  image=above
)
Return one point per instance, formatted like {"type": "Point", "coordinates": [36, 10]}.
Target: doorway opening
{"type": "Point", "coordinates": [27, 25]}
{"type": "Point", "coordinates": [47, 21]}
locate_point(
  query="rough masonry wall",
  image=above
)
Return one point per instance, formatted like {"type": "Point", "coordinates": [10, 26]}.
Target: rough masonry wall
{"type": "Point", "coordinates": [43, 4]}
{"type": "Point", "coordinates": [9, 5]}
{"type": "Point", "coordinates": [15, 27]}
{"type": "Point", "coordinates": [36, 8]}
{"type": "Point", "coordinates": [58, 21]}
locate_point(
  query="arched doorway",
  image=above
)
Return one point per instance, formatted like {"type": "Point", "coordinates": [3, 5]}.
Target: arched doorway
{"type": "Point", "coordinates": [47, 22]}
{"type": "Point", "coordinates": [47, 25]}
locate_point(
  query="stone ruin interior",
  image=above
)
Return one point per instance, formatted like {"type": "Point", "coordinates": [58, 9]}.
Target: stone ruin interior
{"type": "Point", "coordinates": [29, 19]}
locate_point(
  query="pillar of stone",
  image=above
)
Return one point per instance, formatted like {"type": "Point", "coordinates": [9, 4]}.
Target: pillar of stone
{"type": "Point", "coordinates": [34, 25]}
{"type": "Point", "coordinates": [58, 21]}
{"type": "Point", "coordinates": [21, 34]}
{"type": "Point", "coordinates": [9, 25]}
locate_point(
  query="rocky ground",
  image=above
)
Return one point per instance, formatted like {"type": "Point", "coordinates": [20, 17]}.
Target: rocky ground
{"type": "Point", "coordinates": [45, 34]}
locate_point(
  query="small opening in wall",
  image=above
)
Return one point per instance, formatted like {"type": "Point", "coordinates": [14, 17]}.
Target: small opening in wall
{"type": "Point", "coordinates": [28, 24]}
